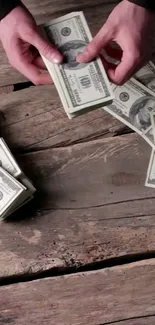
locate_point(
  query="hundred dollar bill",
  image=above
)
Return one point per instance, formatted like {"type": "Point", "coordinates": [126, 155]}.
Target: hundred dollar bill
{"type": "Point", "coordinates": [9, 164]}
{"type": "Point", "coordinates": [132, 105]}
{"type": "Point", "coordinates": [146, 76]}
{"type": "Point", "coordinates": [81, 86]}
{"type": "Point", "coordinates": [152, 117]}
{"type": "Point", "coordinates": [10, 191]}
{"type": "Point", "coordinates": [150, 178]}
{"type": "Point", "coordinates": [7, 161]}
{"type": "Point", "coordinates": [28, 196]}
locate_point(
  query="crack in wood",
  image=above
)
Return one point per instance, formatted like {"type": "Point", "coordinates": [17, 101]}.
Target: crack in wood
{"type": "Point", "coordinates": [98, 206]}
{"type": "Point", "coordinates": [72, 269]}
{"type": "Point", "coordinates": [127, 319]}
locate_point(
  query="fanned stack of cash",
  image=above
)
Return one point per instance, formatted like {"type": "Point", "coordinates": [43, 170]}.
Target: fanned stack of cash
{"type": "Point", "coordinates": [134, 105]}
{"type": "Point", "coordinates": [81, 87]}
{"type": "Point", "coordinates": [15, 188]}
{"type": "Point", "coordinates": [84, 87]}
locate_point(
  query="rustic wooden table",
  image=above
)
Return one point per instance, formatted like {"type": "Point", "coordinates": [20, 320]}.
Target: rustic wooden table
{"type": "Point", "coordinates": [84, 251]}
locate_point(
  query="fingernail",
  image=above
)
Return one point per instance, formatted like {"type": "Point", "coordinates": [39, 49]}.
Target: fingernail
{"type": "Point", "coordinates": [57, 58]}
{"type": "Point", "coordinates": [82, 56]}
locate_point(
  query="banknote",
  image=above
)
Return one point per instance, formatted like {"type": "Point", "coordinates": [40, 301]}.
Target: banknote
{"type": "Point", "coordinates": [81, 86]}
{"type": "Point", "coordinates": [150, 178]}
{"type": "Point", "coordinates": [11, 183]}
{"type": "Point", "coordinates": [146, 75]}
{"type": "Point", "coordinates": [10, 191]}
{"type": "Point", "coordinates": [132, 105]}
{"type": "Point", "coordinates": [24, 199]}
{"type": "Point", "coordinates": [27, 183]}
{"type": "Point", "coordinates": [152, 117]}
{"type": "Point", "coordinates": [7, 161]}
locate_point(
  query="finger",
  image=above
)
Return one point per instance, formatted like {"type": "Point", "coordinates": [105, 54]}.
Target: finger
{"type": "Point", "coordinates": [99, 42]}
{"type": "Point", "coordinates": [114, 52]}
{"type": "Point", "coordinates": [33, 73]}
{"type": "Point", "coordinates": [107, 65]}
{"type": "Point", "coordinates": [39, 63]}
{"type": "Point", "coordinates": [122, 72]}
{"type": "Point", "coordinates": [45, 48]}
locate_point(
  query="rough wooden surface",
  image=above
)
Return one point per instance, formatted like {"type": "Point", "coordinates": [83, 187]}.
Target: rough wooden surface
{"type": "Point", "coordinates": [92, 205]}
{"type": "Point", "coordinates": [72, 238]}
{"type": "Point", "coordinates": [91, 174]}
{"type": "Point", "coordinates": [94, 298]}
{"type": "Point", "coordinates": [34, 119]}
{"type": "Point", "coordinates": [46, 10]}
{"type": "Point", "coordinates": [136, 321]}
{"type": "Point", "coordinates": [91, 208]}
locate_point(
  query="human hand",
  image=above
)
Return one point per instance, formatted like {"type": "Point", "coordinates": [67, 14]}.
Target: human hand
{"type": "Point", "coordinates": [21, 41]}
{"type": "Point", "coordinates": [132, 28]}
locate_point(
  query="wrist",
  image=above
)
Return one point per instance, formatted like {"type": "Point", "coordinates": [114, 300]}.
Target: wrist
{"type": "Point", "coordinates": [147, 4]}
{"type": "Point", "coordinates": [7, 6]}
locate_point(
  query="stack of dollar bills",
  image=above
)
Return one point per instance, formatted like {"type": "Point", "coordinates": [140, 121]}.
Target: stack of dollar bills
{"type": "Point", "coordinates": [15, 188]}
{"type": "Point", "coordinates": [134, 105]}
{"type": "Point", "coordinates": [82, 87]}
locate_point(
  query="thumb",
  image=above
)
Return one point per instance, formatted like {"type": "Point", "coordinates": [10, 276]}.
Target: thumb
{"type": "Point", "coordinates": [46, 49]}
{"type": "Point", "coordinates": [94, 48]}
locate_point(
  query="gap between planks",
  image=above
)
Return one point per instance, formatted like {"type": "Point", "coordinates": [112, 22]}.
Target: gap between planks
{"type": "Point", "coordinates": [95, 266]}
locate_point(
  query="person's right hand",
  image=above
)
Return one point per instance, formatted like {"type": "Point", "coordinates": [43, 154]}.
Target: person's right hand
{"type": "Point", "coordinates": [132, 28]}
{"type": "Point", "coordinates": [22, 43]}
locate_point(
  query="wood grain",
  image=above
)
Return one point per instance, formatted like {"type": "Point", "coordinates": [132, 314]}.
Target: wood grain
{"type": "Point", "coordinates": [91, 174]}
{"type": "Point", "coordinates": [34, 119]}
{"type": "Point", "coordinates": [96, 14]}
{"type": "Point", "coordinates": [136, 321]}
{"type": "Point", "coordinates": [47, 239]}
{"type": "Point", "coordinates": [99, 297]}
{"type": "Point", "coordinates": [91, 206]}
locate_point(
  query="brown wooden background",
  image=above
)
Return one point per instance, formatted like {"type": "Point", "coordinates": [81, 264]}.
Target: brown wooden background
{"type": "Point", "coordinates": [84, 251]}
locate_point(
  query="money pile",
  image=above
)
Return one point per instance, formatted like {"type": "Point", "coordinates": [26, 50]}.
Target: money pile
{"type": "Point", "coordinates": [82, 87]}
{"type": "Point", "coordinates": [134, 105]}
{"type": "Point", "coordinates": [15, 188]}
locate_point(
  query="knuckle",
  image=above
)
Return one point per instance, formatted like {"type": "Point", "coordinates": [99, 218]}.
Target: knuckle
{"type": "Point", "coordinates": [134, 56]}
{"type": "Point", "coordinates": [45, 49]}
{"type": "Point", "coordinates": [29, 33]}
{"type": "Point", "coordinates": [92, 47]}
{"type": "Point", "coordinates": [137, 56]}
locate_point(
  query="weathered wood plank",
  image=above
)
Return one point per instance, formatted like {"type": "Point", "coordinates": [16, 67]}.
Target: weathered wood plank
{"type": "Point", "coordinates": [46, 10]}
{"type": "Point", "coordinates": [43, 240]}
{"type": "Point", "coordinates": [34, 118]}
{"type": "Point", "coordinates": [91, 174]}
{"type": "Point", "coordinates": [99, 297]}
{"type": "Point", "coordinates": [136, 321]}
{"type": "Point", "coordinates": [91, 206]}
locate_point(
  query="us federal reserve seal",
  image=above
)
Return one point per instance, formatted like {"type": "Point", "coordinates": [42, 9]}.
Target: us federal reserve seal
{"type": "Point", "coordinates": [66, 31]}
{"type": "Point", "coordinates": [1, 195]}
{"type": "Point", "coordinates": [70, 51]}
{"type": "Point", "coordinates": [124, 97]}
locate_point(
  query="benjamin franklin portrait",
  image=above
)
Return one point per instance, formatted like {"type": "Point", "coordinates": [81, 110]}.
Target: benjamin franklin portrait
{"type": "Point", "coordinates": [70, 51]}
{"type": "Point", "coordinates": [140, 112]}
